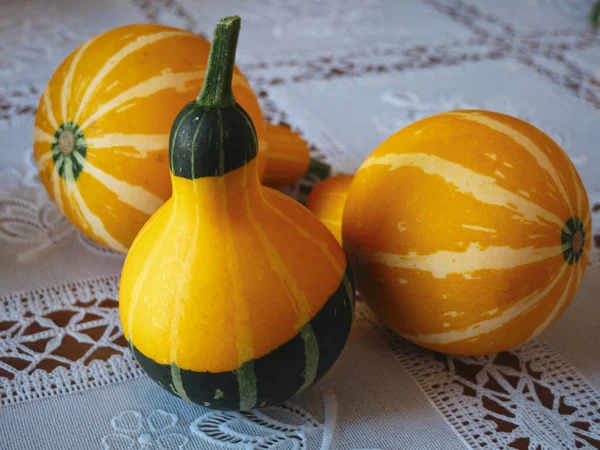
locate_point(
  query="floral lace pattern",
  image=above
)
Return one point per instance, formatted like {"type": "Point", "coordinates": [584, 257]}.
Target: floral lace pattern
{"type": "Point", "coordinates": [287, 426]}
{"type": "Point", "coordinates": [133, 431]}
{"type": "Point", "coordinates": [256, 429]}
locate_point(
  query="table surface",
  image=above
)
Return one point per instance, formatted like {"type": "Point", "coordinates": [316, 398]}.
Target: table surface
{"type": "Point", "coordinates": [67, 380]}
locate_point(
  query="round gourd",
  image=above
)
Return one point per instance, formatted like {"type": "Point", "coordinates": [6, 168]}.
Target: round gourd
{"type": "Point", "coordinates": [327, 200]}
{"type": "Point", "coordinates": [233, 295]}
{"type": "Point", "coordinates": [468, 232]}
{"type": "Point", "coordinates": [102, 126]}
{"type": "Point", "coordinates": [286, 158]}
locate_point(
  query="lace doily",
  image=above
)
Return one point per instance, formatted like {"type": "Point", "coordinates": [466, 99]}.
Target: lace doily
{"type": "Point", "coordinates": [62, 340]}
{"type": "Point", "coordinates": [529, 397]}
{"type": "Point", "coordinates": [68, 339]}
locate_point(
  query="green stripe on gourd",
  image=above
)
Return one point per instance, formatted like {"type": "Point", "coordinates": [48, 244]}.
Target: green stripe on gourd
{"type": "Point", "coordinates": [179, 120]}
{"type": "Point", "coordinates": [213, 135]}
{"type": "Point", "coordinates": [311, 356]}
{"type": "Point", "coordinates": [247, 383]}
{"type": "Point", "coordinates": [349, 291]}
{"type": "Point", "coordinates": [177, 383]}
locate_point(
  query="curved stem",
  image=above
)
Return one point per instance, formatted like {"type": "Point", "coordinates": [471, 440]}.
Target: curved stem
{"type": "Point", "coordinates": [216, 91]}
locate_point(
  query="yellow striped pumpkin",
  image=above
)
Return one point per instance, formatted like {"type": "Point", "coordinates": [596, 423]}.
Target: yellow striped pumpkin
{"type": "Point", "coordinates": [102, 127]}
{"type": "Point", "coordinates": [468, 232]}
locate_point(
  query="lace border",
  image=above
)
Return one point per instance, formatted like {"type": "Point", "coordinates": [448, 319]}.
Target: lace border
{"type": "Point", "coordinates": [43, 301]}
{"type": "Point", "coordinates": [78, 378]}
{"type": "Point", "coordinates": [529, 397]}
{"type": "Point", "coordinates": [486, 400]}
{"type": "Point", "coordinates": [42, 327]}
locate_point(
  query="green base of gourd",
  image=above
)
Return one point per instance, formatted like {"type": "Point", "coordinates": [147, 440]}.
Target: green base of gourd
{"type": "Point", "coordinates": [273, 378]}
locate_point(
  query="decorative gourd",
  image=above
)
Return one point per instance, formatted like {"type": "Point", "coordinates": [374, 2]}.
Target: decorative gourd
{"type": "Point", "coordinates": [468, 232]}
{"type": "Point", "coordinates": [327, 200]}
{"type": "Point", "coordinates": [102, 126]}
{"type": "Point", "coordinates": [285, 158]}
{"type": "Point", "coordinates": [233, 295]}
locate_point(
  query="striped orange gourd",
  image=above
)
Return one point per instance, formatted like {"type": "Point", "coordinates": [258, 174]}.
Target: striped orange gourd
{"type": "Point", "coordinates": [468, 232]}
{"type": "Point", "coordinates": [327, 200]}
{"type": "Point", "coordinates": [286, 158]}
{"type": "Point", "coordinates": [102, 127]}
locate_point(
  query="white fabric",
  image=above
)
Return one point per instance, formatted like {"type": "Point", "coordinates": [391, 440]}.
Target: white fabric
{"type": "Point", "coordinates": [344, 74]}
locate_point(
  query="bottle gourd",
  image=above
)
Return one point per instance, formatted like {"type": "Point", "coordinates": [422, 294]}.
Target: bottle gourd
{"type": "Point", "coordinates": [233, 295]}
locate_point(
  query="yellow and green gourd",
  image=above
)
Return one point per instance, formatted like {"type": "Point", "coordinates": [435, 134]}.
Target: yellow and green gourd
{"type": "Point", "coordinates": [233, 295]}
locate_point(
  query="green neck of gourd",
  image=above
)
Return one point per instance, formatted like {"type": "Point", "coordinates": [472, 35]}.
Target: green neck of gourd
{"type": "Point", "coordinates": [217, 90]}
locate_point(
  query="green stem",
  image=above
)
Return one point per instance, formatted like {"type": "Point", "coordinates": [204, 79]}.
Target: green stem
{"type": "Point", "coordinates": [217, 92]}
{"type": "Point", "coordinates": [319, 168]}
{"type": "Point", "coordinates": [595, 15]}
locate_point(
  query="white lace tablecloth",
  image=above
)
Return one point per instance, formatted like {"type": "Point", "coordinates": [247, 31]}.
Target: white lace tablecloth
{"type": "Point", "coordinates": [345, 74]}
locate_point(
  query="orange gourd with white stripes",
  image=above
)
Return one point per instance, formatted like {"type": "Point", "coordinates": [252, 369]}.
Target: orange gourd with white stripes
{"type": "Point", "coordinates": [102, 126]}
{"type": "Point", "coordinates": [468, 232]}
{"type": "Point", "coordinates": [285, 158]}
{"type": "Point", "coordinates": [327, 200]}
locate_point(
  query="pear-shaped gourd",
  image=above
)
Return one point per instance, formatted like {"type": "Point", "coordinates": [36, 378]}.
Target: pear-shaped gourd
{"type": "Point", "coordinates": [233, 295]}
